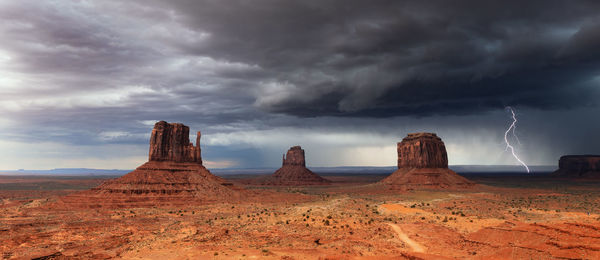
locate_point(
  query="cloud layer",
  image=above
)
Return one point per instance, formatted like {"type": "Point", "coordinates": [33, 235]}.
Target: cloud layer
{"type": "Point", "coordinates": [86, 73]}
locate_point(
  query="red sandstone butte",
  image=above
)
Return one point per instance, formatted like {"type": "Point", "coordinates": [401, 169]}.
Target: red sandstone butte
{"type": "Point", "coordinates": [423, 164]}
{"type": "Point", "coordinates": [294, 172]}
{"type": "Point", "coordinates": [579, 166]}
{"type": "Point", "coordinates": [174, 174]}
{"type": "Point", "coordinates": [171, 142]}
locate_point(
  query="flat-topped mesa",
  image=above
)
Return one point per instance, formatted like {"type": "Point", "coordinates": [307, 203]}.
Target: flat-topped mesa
{"type": "Point", "coordinates": [423, 164]}
{"type": "Point", "coordinates": [579, 166]}
{"type": "Point", "coordinates": [294, 156]}
{"type": "Point", "coordinates": [171, 142]}
{"type": "Point", "coordinates": [422, 150]}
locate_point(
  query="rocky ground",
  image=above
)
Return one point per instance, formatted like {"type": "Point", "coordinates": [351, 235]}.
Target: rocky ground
{"type": "Point", "coordinates": [510, 218]}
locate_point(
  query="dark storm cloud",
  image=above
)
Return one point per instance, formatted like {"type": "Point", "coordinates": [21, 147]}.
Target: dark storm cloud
{"type": "Point", "coordinates": [89, 72]}
{"type": "Point", "coordinates": [390, 58]}
{"type": "Point", "coordinates": [313, 58]}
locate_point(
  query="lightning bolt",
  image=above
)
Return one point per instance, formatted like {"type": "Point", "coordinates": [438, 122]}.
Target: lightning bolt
{"type": "Point", "coordinates": [512, 128]}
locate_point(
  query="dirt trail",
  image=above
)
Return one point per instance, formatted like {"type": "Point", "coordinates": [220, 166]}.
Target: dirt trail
{"type": "Point", "coordinates": [414, 245]}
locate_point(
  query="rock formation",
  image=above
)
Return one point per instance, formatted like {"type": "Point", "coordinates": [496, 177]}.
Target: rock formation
{"type": "Point", "coordinates": [171, 142]}
{"type": "Point", "coordinates": [294, 157]}
{"type": "Point", "coordinates": [293, 171]}
{"type": "Point", "coordinates": [579, 166]}
{"type": "Point", "coordinates": [423, 163]}
{"type": "Point", "coordinates": [422, 150]}
{"type": "Point", "coordinates": [174, 174]}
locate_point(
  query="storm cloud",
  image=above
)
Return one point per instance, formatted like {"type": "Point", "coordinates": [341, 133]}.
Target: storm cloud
{"type": "Point", "coordinates": [87, 73]}
{"type": "Point", "coordinates": [390, 58]}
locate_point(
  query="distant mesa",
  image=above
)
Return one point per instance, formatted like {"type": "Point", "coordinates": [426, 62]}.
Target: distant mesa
{"type": "Point", "coordinates": [173, 175]}
{"type": "Point", "coordinates": [293, 171]}
{"type": "Point", "coordinates": [423, 164]}
{"type": "Point", "coordinates": [579, 166]}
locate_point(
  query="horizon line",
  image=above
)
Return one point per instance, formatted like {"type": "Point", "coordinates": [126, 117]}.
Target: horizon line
{"type": "Point", "coordinates": [265, 167]}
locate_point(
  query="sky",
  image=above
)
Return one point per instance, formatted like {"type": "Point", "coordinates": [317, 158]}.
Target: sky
{"type": "Point", "coordinates": [83, 82]}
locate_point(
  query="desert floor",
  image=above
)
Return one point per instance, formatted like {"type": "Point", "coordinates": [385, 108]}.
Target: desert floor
{"type": "Point", "coordinates": [516, 217]}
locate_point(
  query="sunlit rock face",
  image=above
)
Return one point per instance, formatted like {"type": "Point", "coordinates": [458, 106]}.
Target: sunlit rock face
{"type": "Point", "coordinates": [579, 166]}
{"type": "Point", "coordinates": [423, 164]}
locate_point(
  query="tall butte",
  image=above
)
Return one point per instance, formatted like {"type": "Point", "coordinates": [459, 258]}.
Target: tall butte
{"type": "Point", "coordinates": [293, 171]}
{"type": "Point", "coordinates": [423, 164]}
{"type": "Point", "coordinates": [174, 174]}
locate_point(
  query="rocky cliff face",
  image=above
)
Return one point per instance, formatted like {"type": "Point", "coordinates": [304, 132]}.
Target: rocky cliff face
{"type": "Point", "coordinates": [423, 163]}
{"type": "Point", "coordinates": [579, 166]}
{"type": "Point", "coordinates": [171, 142]}
{"type": "Point", "coordinates": [422, 150]}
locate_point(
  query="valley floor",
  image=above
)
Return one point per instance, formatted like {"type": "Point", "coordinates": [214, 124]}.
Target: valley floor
{"type": "Point", "coordinates": [507, 218]}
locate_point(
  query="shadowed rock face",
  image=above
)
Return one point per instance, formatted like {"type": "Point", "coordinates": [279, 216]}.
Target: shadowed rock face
{"type": "Point", "coordinates": [171, 142]}
{"type": "Point", "coordinates": [579, 166]}
{"type": "Point", "coordinates": [423, 163]}
{"type": "Point", "coordinates": [422, 150]}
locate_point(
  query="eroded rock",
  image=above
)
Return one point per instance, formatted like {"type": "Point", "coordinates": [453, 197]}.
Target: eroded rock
{"type": "Point", "coordinates": [423, 163]}
{"type": "Point", "coordinates": [174, 174]}
{"type": "Point", "coordinates": [294, 156]}
{"type": "Point", "coordinates": [422, 150]}
{"type": "Point", "coordinates": [293, 171]}
{"type": "Point", "coordinates": [171, 142]}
